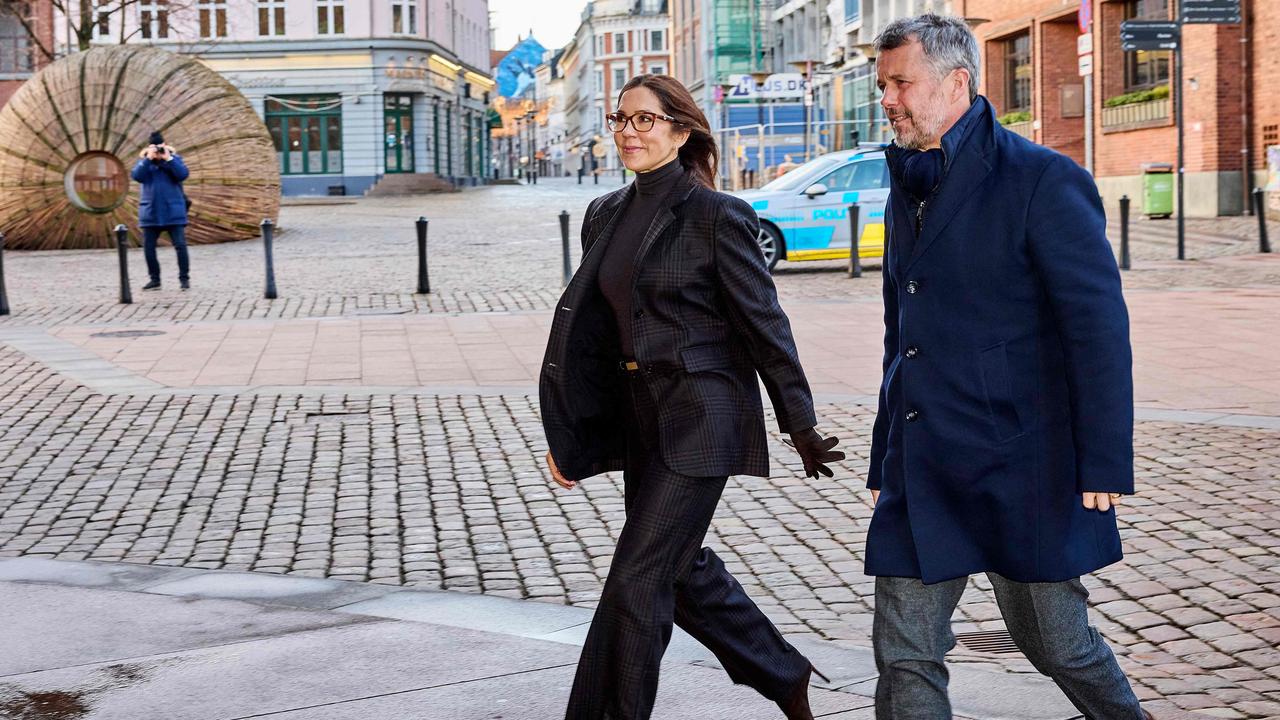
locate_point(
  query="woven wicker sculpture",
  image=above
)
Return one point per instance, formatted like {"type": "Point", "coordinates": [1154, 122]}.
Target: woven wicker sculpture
{"type": "Point", "coordinates": [71, 134]}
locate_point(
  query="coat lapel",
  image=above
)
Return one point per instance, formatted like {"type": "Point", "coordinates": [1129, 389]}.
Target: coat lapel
{"type": "Point", "coordinates": [960, 185]}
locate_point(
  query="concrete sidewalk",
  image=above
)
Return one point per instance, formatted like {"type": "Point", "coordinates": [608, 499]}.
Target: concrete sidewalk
{"type": "Point", "coordinates": [135, 642]}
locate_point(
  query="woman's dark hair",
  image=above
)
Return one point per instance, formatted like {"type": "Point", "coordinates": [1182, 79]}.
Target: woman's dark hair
{"type": "Point", "coordinates": [698, 156]}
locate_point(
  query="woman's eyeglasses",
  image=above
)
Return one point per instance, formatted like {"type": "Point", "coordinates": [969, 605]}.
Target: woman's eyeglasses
{"type": "Point", "coordinates": [641, 121]}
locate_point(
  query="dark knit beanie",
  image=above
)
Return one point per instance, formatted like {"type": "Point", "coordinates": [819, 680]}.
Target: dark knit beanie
{"type": "Point", "coordinates": [156, 138]}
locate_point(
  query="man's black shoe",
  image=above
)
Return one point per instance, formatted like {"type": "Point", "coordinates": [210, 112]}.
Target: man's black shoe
{"type": "Point", "coordinates": [153, 285]}
{"type": "Point", "coordinates": [186, 284]}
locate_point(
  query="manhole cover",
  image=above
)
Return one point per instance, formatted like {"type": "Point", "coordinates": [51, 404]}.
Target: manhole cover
{"type": "Point", "coordinates": [128, 333]}
{"type": "Point", "coordinates": [991, 641]}
{"type": "Point", "coordinates": [380, 311]}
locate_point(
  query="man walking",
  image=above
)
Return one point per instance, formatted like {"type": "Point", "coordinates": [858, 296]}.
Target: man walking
{"type": "Point", "coordinates": [163, 207]}
{"type": "Point", "coordinates": [1004, 435]}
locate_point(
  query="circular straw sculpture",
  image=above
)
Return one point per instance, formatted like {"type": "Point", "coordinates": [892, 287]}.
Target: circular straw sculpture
{"type": "Point", "coordinates": [72, 133]}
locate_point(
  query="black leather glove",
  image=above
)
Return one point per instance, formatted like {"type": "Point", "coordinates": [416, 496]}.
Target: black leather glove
{"type": "Point", "coordinates": [815, 451]}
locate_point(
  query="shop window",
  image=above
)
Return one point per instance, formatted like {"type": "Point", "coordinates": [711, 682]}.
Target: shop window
{"type": "Point", "coordinates": [307, 132]}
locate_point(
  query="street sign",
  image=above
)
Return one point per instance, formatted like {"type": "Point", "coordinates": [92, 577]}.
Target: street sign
{"type": "Point", "coordinates": [1084, 44]}
{"type": "Point", "coordinates": [1214, 12]}
{"type": "Point", "coordinates": [1149, 35]}
{"type": "Point", "coordinates": [1084, 15]}
{"type": "Point", "coordinates": [1086, 64]}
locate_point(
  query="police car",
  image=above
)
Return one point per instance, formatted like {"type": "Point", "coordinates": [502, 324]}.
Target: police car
{"type": "Point", "coordinates": [804, 213]}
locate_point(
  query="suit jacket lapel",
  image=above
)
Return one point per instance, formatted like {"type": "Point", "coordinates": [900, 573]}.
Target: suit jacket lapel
{"type": "Point", "coordinates": [602, 224]}
{"type": "Point", "coordinates": [663, 219]}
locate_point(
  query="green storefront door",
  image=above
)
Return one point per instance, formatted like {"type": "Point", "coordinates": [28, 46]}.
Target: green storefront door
{"type": "Point", "coordinates": [397, 113]}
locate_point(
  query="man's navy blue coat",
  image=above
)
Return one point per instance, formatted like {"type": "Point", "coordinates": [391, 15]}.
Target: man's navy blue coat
{"type": "Point", "coordinates": [1007, 387]}
{"type": "Point", "coordinates": [162, 203]}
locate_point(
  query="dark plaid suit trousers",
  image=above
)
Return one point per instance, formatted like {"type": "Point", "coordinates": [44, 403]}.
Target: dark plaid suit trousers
{"type": "Point", "coordinates": [661, 574]}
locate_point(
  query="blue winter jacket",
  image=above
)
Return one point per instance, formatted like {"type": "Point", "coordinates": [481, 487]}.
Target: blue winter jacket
{"type": "Point", "coordinates": [1008, 384]}
{"type": "Point", "coordinates": [163, 202]}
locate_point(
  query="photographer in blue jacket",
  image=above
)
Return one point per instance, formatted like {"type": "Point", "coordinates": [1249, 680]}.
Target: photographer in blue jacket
{"type": "Point", "coordinates": [163, 207]}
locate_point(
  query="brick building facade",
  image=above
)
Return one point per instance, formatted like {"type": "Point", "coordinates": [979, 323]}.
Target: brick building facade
{"type": "Point", "coordinates": [20, 54]}
{"type": "Point", "coordinates": [1231, 91]}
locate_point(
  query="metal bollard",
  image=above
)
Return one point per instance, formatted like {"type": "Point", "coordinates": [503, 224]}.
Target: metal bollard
{"type": "Point", "coordinates": [1260, 209]}
{"type": "Point", "coordinates": [424, 280]}
{"type": "Point", "coordinates": [268, 244]}
{"type": "Point", "coordinates": [564, 244]}
{"type": "Point", "coordinates": [595, 177]}
{"type": "Point", "coordinates": [4, 295]}
{"type": "Point", "coordinates": [579, 176]}
{"type": "Point", "coordinates": [855, 261]}
{"type": "Point", "coordinates": [624, 176]}
{"type": "Point", "coordinates": [1124, 232]}
{"type": "Point", "coordinates": [122, 249]}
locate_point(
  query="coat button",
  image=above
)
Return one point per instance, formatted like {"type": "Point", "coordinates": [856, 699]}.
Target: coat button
{"type": "Point", "coordinates": [913, 287]}
{"type": "Point", "coordinates": [912, 415]}
{"type": "Point", "coordinates": [912, 352]}
{"type": "Point", "coordinates": [639, 313]}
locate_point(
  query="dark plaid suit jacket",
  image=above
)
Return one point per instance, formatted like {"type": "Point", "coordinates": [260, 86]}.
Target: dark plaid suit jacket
{"type": "Point", "coordinates": [706, 321]}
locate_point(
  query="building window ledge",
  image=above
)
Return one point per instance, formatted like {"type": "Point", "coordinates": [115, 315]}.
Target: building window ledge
{"type": "Point", "coordinates": [1137, 116]}
{"type": "Point", "coordinates": [1026, 129]}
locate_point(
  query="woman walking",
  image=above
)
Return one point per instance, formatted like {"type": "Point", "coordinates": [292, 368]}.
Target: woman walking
{"type": "Point", "coordinates": [651, 369]}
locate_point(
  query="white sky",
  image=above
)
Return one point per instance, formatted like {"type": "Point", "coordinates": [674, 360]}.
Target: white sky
{"type": "Point", "coordinates": [553, 21]}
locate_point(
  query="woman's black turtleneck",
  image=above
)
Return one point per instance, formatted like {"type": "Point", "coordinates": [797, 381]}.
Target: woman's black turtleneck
{"type": "Point", "coordinates": [617, 267]}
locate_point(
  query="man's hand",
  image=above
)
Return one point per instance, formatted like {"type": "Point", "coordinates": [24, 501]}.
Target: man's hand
{"type": "Point", "coordinates": [815, 451]}
{"type": "Point", "coordinates": [561, 480]}
{"type": "Point", "coordinates": [875, 498]}
{"type": "Point", "coordinates": [1101, 501]}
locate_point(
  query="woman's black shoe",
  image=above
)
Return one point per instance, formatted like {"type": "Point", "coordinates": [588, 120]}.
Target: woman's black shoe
{"type": "Point", "coordinates": [796, 707]}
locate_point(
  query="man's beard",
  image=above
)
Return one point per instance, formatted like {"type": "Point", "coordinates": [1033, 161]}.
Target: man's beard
{"type": "Point", "coordinates": [922, 129]}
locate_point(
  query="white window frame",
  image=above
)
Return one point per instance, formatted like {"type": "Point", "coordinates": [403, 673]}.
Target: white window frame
{"type": "Point", "coordinates": [625, 69]}
{"type": "Point", "coordinates": [153, 19]}
{"type": "Point", "coordinates": [661, 34]}
{"type": "Point", "coordinates": [212, 14]}
{"type": "Point", "coordinates": [335, 16]}
{"type": "Point", "coordinates": [616, 44]}
{"type": "Point", "coordinates": [276, 17]}
{"type": "Point", "coordinates": [599, 81]}
{"type": "Point", "coordinates": [659, 68]}
{"type": "Point", "coordinates": [406, 22]}
{"type": "Point", "coordinates": [102, 20]}
{"type": "Point", "coordinates": [599, 46]}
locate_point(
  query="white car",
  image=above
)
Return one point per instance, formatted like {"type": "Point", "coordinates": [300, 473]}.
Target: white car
{"type": "Point", "coordinates": [804, 213]}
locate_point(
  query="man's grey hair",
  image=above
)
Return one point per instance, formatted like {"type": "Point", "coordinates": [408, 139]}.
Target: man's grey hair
{"type": "Point", "coordinates": [947, 41]}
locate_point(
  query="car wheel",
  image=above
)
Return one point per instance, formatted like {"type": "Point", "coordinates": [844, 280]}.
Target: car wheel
{"type": "Point", "coordinates": [771, 244]}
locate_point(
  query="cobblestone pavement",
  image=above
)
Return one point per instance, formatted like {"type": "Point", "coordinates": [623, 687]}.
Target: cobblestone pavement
{"type": "Point", "coordinates": [446, 489]}
{"type": "Point", "coordinates": [448, 492]}
{"type": "Point", "coordinates": [491, 248]}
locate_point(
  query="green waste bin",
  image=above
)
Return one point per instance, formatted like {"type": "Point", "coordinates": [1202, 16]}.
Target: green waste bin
{"type": "Point", "coordinates": [1157, 189]}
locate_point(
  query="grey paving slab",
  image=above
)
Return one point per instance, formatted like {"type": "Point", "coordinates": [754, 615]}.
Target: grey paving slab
{"type": "Point", "coordinates": [113, 576]}
{"type": "Point", "coordinates": [284, 672]}
{"type": "Point", "coordinates": [684, 692]}
{"type": "Point", "coordinates": [543, 621]}
{"type": "Point", "coordinates": [997, 696]}
{"type": "Point", "coordinates": [477, 612]}
{"type": "Point", "coordinates": [48, 626]}
{"type": "Point", "coordinates": [299, 592]}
